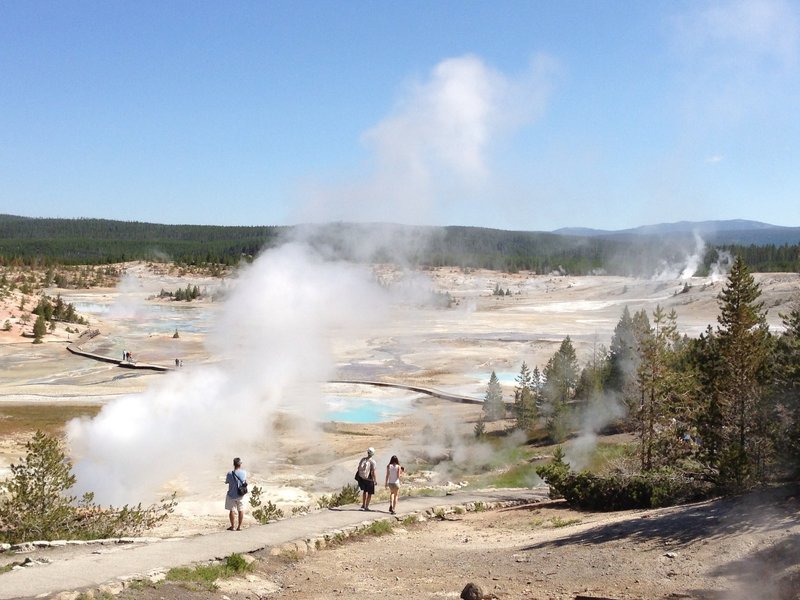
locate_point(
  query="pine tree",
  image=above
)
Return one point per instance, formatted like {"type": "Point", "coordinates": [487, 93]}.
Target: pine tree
{"type": "Point", "coordinates": [493, 406]}
{"type": "Point", "coordinates": [525, 399]}
{"type": "Point", "coordinates": [35, 504]}
{"type": "Point", "coordinates": [787, 378]}
{"type": "Point", "coordinates": [623, 353]}
{"type": "Point", "coordinates": [39, 329]}
{"type": "Point", "coordinates": [737, 416]}
{"type": "Point", "coordinates": [663, 415]}
{"type": "Point", "coordinates": [624, 359]}
{"type": "Point", "coordinates": [561, 378]}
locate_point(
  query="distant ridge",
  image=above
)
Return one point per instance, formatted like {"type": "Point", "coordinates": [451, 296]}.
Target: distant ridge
{"type": "Point", "coordinates": [733, 231]}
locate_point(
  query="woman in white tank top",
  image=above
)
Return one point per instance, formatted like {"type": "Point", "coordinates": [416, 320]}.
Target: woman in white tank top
{"type": "Point", "coordinates": [393, 472]}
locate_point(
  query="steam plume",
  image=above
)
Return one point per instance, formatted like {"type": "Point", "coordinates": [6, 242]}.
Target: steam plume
{"type": "Point", "coordinates": [273, 339]}
{"type": "Point", "coordinates": [434, 148]}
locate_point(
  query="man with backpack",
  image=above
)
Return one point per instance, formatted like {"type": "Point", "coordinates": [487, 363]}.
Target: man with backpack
{"type": "Point", "coordinates": [237, 488]}
{"type": "Point", "coordinates": [366, 477]}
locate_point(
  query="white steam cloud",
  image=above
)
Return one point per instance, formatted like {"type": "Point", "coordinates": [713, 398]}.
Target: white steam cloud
{"type": "Point", "coordinates": [436, 144]}
{"type": "Point", "coordinates": [273, 339]}
{"type": "Point", "coordinates": [687, 267]}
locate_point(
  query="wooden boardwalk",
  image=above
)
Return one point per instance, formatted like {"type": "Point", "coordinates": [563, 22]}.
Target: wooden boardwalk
{"type": "Point", "coordinates": [415, 388]}
{"type": "Point", "coordinates": [75, 348]}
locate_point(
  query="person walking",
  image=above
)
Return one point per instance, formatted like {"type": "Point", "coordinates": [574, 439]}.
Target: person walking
{"type": "Point", "coordinates": [233, 499]}
{"type": "Point", "coordinates": [366, 477]}
{"type": "Point", "coordinates": [393, 471]}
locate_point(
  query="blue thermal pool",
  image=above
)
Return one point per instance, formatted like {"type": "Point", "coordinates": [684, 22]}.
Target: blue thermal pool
{"type": "Point", "coordinates": [357, 409]}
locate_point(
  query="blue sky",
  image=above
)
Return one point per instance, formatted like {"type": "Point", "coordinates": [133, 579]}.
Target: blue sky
{"type": "Point", "coordinates": [515, 115]}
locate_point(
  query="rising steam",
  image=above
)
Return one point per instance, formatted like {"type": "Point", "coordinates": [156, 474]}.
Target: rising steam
{"type": "Point", "coordinates": [434, 149]}
{"type": "Point", "coordinates": [273, 340]}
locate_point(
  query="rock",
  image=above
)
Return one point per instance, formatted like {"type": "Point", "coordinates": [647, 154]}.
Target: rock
{"type": "Point", "coordinates": [23, 547]}
{"type": "Point", "coordinates": [300, 548]}
{"type": "Point", "coordinates": [157, 577]}
{"type": "Point", "coordinates": [5, 547]}
{"type": "Point", "coordinates": [249, 559]}
{"type": "Point", "coordinates": [471, 592]}
{"type": "Point", "coordinates": [110, 589]}
{"type": "Point", "coordinates": [670, 555]}
{"type": "Point", "coordinates": [67, 596]}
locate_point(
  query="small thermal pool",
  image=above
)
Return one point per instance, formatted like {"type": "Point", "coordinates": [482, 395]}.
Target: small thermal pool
{"type": "Point", "coordinates": [358, 409]}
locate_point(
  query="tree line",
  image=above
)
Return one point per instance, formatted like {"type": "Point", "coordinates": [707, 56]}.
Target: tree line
{"type": "Point", "coordinates": [715, 414]}
{"type": "Point", "coordinates": [42, 242]}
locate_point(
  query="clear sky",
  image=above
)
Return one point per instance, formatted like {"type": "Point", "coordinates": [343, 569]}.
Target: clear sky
{"type": "Point", "coordinates": [526, 115]}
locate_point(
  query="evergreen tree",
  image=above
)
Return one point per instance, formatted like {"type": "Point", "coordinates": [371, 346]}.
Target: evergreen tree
{"type": "Point", "coordinates": [35, 504]}
{"type": "Point", "coordinates": [39, 329]}
{"type": "Point", "coordinates": [560, 381]}
{"type": "Point", "coordinates": [591, 383]}
{"type": "Point", "coordinates": [787, 377]}
{"type": "Point", "coordinates": [663, 415]}
{"type": "Point", "coordinates": [737, 417]}
{"type": "Point", "coordinates": [525, 399]}
{"type": "Point", "coordinates": [623, 353]}
{"type": "Point", "coordinates": [493, 406]}
{"type": "Point", "coordinates": [624, 359]}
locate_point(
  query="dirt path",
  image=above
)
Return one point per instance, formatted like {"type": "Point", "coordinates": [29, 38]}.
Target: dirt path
{"type": "Point", "coordinates": [730, 549]}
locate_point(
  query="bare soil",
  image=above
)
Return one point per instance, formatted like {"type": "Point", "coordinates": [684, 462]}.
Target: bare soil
{"type": "Point", "coordinates": [733, 549]}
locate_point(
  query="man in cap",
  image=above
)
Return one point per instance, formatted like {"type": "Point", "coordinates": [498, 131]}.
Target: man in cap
{"type": "Point", "coordinates": [366, 476]}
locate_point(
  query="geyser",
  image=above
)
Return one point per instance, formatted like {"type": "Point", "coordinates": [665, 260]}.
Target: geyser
{"type": "Point", "coordinates": [273, 345]}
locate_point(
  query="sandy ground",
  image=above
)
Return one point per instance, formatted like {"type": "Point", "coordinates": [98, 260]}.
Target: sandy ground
{"type": "Point", "coordinates": [452, 349]}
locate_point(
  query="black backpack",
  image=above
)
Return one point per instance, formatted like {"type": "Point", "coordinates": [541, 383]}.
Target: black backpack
{"type": "Point", "coordinates": [242, 487]}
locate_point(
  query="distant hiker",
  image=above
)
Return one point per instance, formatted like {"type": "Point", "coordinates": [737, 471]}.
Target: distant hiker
{"type": "Point", "coordinates": [177, 363]}
{"type": "Point", "coordinates": [365, 475]}
{"type": "Point", "coordinates": [393, 471]}
{"type": "Point", "coordinates": [237, 483]}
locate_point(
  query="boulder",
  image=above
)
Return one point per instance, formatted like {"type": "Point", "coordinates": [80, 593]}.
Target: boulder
{"type": "Point", "coordinates": [471, 592]}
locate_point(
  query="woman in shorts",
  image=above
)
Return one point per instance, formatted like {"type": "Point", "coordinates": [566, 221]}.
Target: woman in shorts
{"type": "Point", "coordinates": [393, 472]}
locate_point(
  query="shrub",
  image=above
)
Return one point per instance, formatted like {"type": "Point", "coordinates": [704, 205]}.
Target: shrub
{"type": "Point", "coordinates": [204, 576]}
{"type": "Point", "coordinates": [619, 492]}
{"type": "Point", "coordinates": [379, 528]}
{"type": "Point", "coordinates": [263, 513]}
{"type": "Point", "coordinates": [34, 504]}
{"type": "Point", "coordinates": [554, 472]}
{"type": "Point", "coordinates": [349, 494]}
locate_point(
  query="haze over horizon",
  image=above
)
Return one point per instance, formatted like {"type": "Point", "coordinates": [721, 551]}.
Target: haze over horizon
{"type": "Point", "coordinates": [512, 115]}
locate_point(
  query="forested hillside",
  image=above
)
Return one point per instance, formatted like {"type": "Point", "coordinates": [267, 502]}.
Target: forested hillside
{"type": "Point", "coordinates": [99, 241]}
